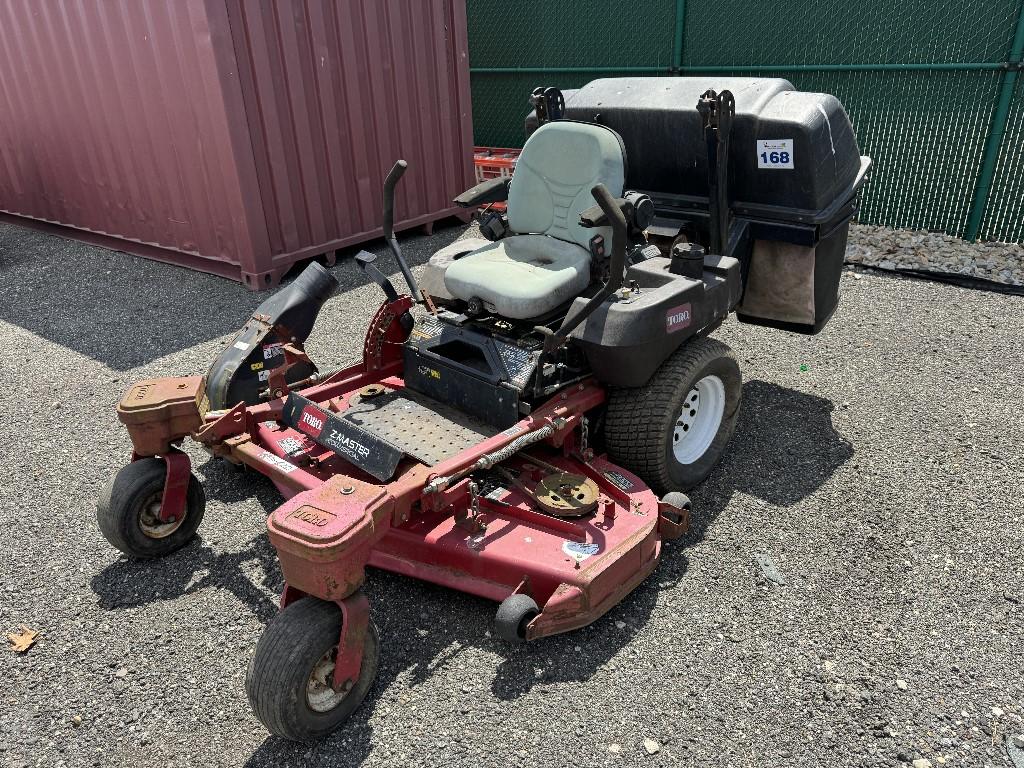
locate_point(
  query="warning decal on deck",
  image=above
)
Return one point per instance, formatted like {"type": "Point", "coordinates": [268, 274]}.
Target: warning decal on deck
{"type": "Point", "coordinates": [277, 461]}
{"type": "Point", "coordinates": [580, 551]}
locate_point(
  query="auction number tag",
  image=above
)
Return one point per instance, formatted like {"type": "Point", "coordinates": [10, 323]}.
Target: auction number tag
{"type": "Point", "coordinates": [774, 153]}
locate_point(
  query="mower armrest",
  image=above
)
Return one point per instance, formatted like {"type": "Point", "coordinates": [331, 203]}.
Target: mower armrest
{"type": "Point", "coordinates": [595, 217]}
{"type": "Point", "coordinates": [490, 191]}
{"type": "Point", "coordinates": [635, 206]}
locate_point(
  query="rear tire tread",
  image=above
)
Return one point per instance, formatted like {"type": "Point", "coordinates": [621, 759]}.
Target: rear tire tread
{"type": "Point", "coordinates": [638, 418]}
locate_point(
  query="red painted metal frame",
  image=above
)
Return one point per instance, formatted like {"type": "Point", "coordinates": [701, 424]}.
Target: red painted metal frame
{"type": "Point", "coordinates": [179, 473]}
{"type": "Point", "coordinates": [176, 479]}
{"type": "Point", "coordinates": [355, 622]}
{"type": "Point", "coordinates": [336, 520]}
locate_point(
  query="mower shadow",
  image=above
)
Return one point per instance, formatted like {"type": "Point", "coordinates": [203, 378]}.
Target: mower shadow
{"type": "Point", "coordinates": [125, 311]}
{"type": "Point", "coordinates": [784, 448]}
{"type": "Point", "coordinates": [129, 583]}
{"type": "Point", "coordinates": [424, 629]}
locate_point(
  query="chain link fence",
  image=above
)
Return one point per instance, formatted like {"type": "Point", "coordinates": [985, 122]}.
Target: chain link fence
{"type": "Point", "coordinates": [932, 86]}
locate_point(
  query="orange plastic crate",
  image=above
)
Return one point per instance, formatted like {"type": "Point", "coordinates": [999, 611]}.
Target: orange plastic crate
{"type": "Point", "coordinates": [494, 163]}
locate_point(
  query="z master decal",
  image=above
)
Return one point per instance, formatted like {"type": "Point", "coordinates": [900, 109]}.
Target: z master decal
{"type": "Point", "coordinates": [361, 447]}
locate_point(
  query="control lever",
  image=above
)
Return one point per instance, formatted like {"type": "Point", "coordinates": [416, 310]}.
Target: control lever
{"type": "Point", "coordinates": [365, 261]}
{"type": "Point", "coordinates": [389, 228]}
{"type": "Point", "coordinates": [617, 221]}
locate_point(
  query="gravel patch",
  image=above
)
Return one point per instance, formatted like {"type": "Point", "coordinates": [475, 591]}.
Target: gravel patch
{"type": "Point", "coordinates": [893, 249]}
{"type": "Point", "coordinates": [877, 466]}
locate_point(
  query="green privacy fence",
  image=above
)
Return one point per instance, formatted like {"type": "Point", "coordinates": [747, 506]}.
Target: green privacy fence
{"type": "Point", "coordinates": [933, 86]}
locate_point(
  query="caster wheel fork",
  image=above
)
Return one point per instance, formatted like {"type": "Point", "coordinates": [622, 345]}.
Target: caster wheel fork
{"type": "Point", "coordinates": [152, 507]}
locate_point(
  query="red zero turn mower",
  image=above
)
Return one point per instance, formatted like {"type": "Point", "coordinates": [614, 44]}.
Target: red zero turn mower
{"type": "Point", "coordinates": [525, 437]}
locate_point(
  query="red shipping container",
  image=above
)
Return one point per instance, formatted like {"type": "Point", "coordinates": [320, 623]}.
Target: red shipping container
{"type": "Point", "coordinates": [231, 136]}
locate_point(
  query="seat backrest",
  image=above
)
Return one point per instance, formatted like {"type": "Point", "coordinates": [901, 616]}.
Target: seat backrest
{"type": "Point", "coordinates": [551, 185]}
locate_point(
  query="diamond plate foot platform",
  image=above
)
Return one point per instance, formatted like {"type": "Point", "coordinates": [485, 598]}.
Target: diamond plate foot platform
{"type": "Point", "coordinates": [425, 429]}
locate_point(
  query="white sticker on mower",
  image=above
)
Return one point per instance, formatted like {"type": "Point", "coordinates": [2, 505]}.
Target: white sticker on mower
{"type": "Point", "coordinates": [241, 345]}
{"type": "Point", "coordinates": [290, 445]}
{"type": "Point", "coordinates": [580, 551]}
{"type": "Point", "coordinates": [775, 153]}
{"type": "Point", "coordinates": [513, 430]}
{"type": "Point", "coordinates": [619, 481]}
{"type": "Point", "coordinates": [272, 350]}
{"type": "Point", "coordinates": [264, 374]}
{"type": "Point", "coordinates": [277, 461]}
{"type": "Point", "coordinates": [497, 494]}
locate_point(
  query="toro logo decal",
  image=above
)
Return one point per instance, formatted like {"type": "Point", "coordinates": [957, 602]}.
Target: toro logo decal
{"type": "Point", "coordinates": [312, 421]}
{"type": "Point", "coordinates": [678, 318]}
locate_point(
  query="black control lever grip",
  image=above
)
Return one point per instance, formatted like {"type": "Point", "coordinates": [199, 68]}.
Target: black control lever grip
{"type": "Point", "coordinates": [616, 218]}
{"type": "Point", "coordinates": [365, 261]}
{"type": "Point", "coordinates": [389, 197]}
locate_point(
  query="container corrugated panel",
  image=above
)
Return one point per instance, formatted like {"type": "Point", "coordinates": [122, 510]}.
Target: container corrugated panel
{"type": "Point", "coordinates": [227, 135]}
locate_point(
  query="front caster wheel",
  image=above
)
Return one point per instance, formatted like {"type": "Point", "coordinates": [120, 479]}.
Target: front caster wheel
{"type": "Point", "coordinates": [289, 678]}
{"type": "Point", "coordinates": [128, 511]}
{"type": "Point", "coordinates": [514, 614]}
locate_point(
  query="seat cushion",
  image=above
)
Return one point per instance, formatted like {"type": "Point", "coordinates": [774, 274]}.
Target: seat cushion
{"type": "Point", "coordinates": [521, 277]}
{"type": "Point", "coordinates": [432, 278]}
{"type": "Point", "coordinates": [560, 163]}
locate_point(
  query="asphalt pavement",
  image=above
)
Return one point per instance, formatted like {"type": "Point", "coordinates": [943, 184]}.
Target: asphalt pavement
{"type": "Point", "coordinates": [878, 466]}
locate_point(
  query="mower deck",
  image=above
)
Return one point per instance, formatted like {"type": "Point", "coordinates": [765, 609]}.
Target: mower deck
{"type": "Point", "coordinates": [491, 540]}
{"type": "Point", "coordinates": [576, 570]}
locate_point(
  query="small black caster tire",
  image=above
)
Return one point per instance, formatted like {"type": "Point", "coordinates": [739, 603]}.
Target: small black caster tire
{"type": "Point", "coordinates": [129, 506]}
{"type": "Point", "coordinates": [285, 682]}
{"type": "Point", "coordinates": [679, 501]}
{"type": "Point", "coordinates": [514, 614]}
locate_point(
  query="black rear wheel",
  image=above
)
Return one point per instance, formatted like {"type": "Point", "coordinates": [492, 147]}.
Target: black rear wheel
{"type": "Point", "coordinates": [128, 511]}
{"type": "Point", "coordinates": [674, 429]}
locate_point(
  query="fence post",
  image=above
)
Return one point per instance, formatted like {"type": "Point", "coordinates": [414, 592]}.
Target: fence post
{"type": "Point", "coordinates": [996, 131]}
{"type": "Point", "coordinates": [680, 36]}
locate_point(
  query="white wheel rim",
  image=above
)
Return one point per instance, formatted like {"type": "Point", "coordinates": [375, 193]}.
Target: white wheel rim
{"type": "Point", "coordinates": [320, 696]}
{"type": "Point", "coordinates": [152, 525]}
{"type": "Point", "coordinates": [698, 420]}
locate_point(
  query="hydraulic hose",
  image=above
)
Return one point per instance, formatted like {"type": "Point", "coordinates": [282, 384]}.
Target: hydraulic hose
{"type": "Point", "coordinates": [488, 460]}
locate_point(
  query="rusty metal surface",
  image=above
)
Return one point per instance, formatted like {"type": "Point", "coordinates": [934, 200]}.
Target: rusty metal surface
{"type": "Point", "coordinates": [231, 136]}
{"type": "Point", "coordinates": [423, 428]}
{"type": "Point", "coordinates": [158, 412]}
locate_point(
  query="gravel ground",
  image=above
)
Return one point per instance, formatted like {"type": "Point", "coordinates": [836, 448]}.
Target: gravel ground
{"type": "Point", "coordinates": [893, 249]}
{"type": "Point", "coordinates": [878, 465]}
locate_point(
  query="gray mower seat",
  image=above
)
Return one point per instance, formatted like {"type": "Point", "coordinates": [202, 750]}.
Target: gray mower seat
{"type": "Point", "coordinates": [547, 261]}
{"type": "Point", "coordinates": [521, 277]}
